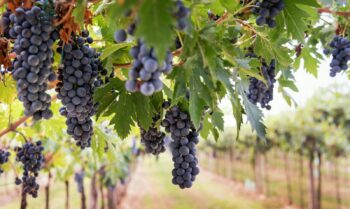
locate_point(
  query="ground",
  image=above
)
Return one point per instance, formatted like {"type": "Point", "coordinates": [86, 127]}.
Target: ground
{"type": "Point", "coordinates": [151, 188]}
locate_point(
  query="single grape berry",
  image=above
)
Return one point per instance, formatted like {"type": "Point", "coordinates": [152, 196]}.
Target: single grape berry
{"type": "Point", "coordinates": [120, 36]}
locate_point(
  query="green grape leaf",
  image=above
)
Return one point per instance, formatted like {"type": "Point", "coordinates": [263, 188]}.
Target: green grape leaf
{"type": "Point", "coordinates": [295, 20]}
{"type": "Point", "coordinates": [112, 48]}
{"type": "Point", "coordinates": [218, 120]}
{"type": "Point", "coordinates": [143, 110]}
{"type": "Point", "coordinates": [155, 25]}
{"type": "Point", "coordinates": [254, 114]}
{"type": "Point", "coordinates": [124, 111]}
{"type": "Point", "coordinates": [79, 12]}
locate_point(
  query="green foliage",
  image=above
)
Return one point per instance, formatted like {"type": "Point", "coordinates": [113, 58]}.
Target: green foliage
{"type": "Point", "coordinates": [210, 69]}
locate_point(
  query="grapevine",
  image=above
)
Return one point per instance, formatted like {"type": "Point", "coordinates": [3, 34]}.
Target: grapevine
{"type": "Point", "coordinates": [34, 37]}
{"type": "Point", "coordinates": [267, 11]}
{"type": "Point", "coordinates": [185, 138]}
{"type": "Point", "coordinates": [4, 157]}
{"type": "Point", "coordinates": [75, 89]}
{"type": "Point", "coordinates": [340, 54]}
{"type": "Point", "coordinates": [30, 155]}
{"type": "Point", "coordinates": [259, 91]}
{"type": "Point", "coordinates": [153, 139]}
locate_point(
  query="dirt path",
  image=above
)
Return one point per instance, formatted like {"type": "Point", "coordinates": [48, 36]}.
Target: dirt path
{"type": "Point", "coordinates": [150, 187]}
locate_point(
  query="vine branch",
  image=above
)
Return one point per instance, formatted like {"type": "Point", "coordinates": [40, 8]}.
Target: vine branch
{"type": "Point", "coordinates": [328, 11]}
{"type": "Point", "coordinates": [12, 127]}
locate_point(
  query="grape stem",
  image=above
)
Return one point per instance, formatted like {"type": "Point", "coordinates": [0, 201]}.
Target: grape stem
{"type": "Point", "coordinates": [327, 10]}
{"type": "Point", "coordinates": [63, 19]}
{"type": "Point", "coordinates": [177, 52]}
{"type": "Point", "coordinates": [13, 126]}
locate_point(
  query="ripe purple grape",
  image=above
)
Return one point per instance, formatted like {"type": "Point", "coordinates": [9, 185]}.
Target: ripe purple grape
{"type": "Point", "coordinates": [32, 158]}
{"type": "Point", "coordinates": [78, 80]}
{"type": "Point", "coordinates": [185, 137]}
{"type": "Point", "coordinates": [120, 36]}
{"type": "Point", "coordinates": [340, 50]}
{"type": "Point", "coordinates": [267, 10]}
{"type": "Point", "coordinates": [34, 35]}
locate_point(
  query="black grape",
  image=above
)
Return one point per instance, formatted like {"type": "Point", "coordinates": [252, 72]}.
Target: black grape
{"type": "Point", "coordinates": [144, 75]}
{"type": "Point", "coordinates": [183, 146]}
{"type": "Point", "coordinates": [34, 36]}
{"type": "Point", "coordinates": [120, 36]}
{"type": "Point", "coordinates": [6, 23]}
{"type": "Point", "coordinates": [4, 157]}
{"type": "Point", "coordinates": [267, 11]}
{"type": "Point", "coordinates": [77, 76]}
{"type": "Point", "coordinates": [153, 139]}
{"type": "Point", "coordinates": [181, 14]}
{"type": "Point", "coordinates": [259, 92]}
{"type": "Point", "coordinates": [340, 50]}
{"type": "Point", "coordinates": [262, 93]}
{"type": "Point", "coordinates": [79, 179]}
{"type": "Point", "coordinates": [32, 158]}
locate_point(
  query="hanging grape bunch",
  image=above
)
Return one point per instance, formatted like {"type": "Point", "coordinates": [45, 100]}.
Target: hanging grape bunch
{"type": "Point", "coordinates": [267, 11]}
{"type": "Point", "coordinates": [103, 77]}
{"type": "Point", "coordinates": [259, 92]}
{"type": "Point", "coordinates": [77, 76]}
{"type": "Point", "coordinates": [6, 23]}
{"type": "Point", "coordinates": [30, 155]}
{"type": "Point", "coordinates": [340, 50]}
{"type": "Point", "coordinates": [183, 146]}
{"type": "Point", "coordinates": [181, 14]}
{"type": "Point", "coordinates": [4, 157]}
{"type": "Point", "coordinates": [153, 139]}
{"type": "Point", "coordinates": [34, 37]}
{"type": "Point", "coordinates": [79, 179]}
{"type": "Point", "coordinates": [145, 73]}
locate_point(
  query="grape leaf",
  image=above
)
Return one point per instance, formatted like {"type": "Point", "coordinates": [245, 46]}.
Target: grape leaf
{"type": "Point", "coordinates": [295, 20]}
{"type": "Point", "coordinates": [218, 120]}
{"type": "Point", "coordinates": [154, 25]}
{"type": "Point", "coordinates": [110, 49]}
{"type": "Point", "coordinates": [254, 114]}
{"type": "Point", "coordinates": [79, 12]}
{"type": "Point", "coordinates": [124, 111]}
{"type": "Point", "coordinates": [224, 76]}
{"type": "Point", "coordinates": [143, 110]}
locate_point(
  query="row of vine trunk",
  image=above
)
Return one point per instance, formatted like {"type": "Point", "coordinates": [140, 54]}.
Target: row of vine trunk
{"type": "Point", "coordinates": [259, 162]}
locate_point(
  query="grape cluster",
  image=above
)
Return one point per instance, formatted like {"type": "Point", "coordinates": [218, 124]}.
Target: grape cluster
{"type": "Point", "coordinates": [77, 76]}
{"type": "Point", "coordinates": [79, 179]}
{"type": "Point", "coordinates": [183, 146]}
{"type": "Point", "coordinates": [181, 14]}
{"type": "Point", "coordinates": [153, 139]}
{"type": "Point", "coordinates": [34, 37]}
{"type": "Point", "coordinates": [103, 77]}
{"type": "Point", "coordinates": [30, 155]}
{"type": "Point", "coordinates": [341, 54]}
{"type": "Point", "coordinates": [6, 23]}
{"type": "Point", "coordinates": [267, 11]}
{"type": "Point", "coordinates": [4, 157]}
{"type": "Point", "coordinates": [259, 92]}
{"type": "Point", "coordinates": [144, 75]}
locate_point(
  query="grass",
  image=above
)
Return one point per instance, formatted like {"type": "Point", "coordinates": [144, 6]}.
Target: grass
{"type": "Point", "coordinates": [205, 193]}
